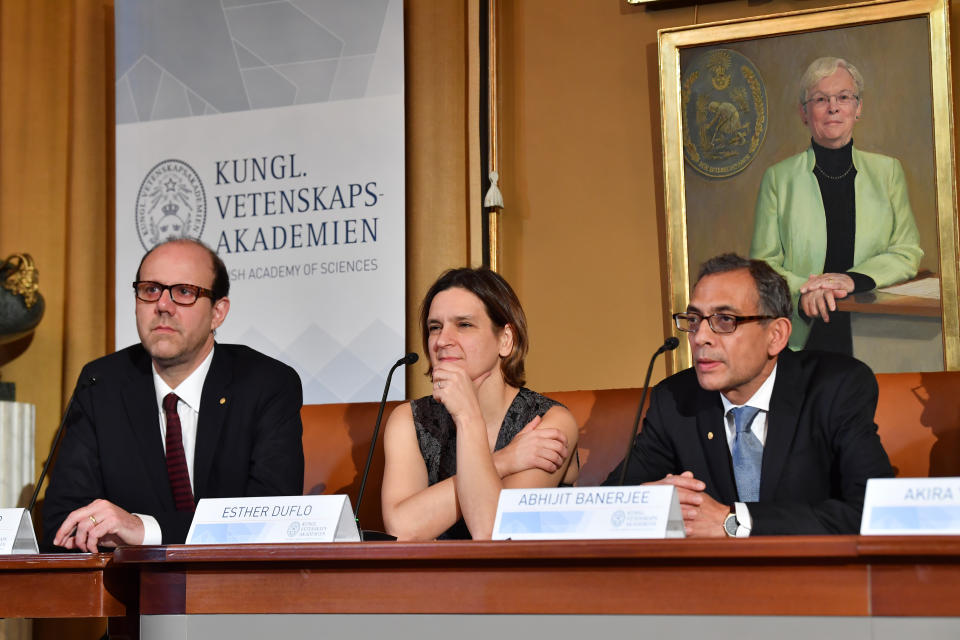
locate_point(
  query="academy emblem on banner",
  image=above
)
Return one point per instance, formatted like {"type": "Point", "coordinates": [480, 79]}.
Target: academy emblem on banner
{"type": "Point", "coordinates": [171, 204]}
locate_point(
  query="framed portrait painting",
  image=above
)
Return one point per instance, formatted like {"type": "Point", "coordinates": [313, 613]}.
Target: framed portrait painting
{"type": "Point", "coordinates": [744, 104]}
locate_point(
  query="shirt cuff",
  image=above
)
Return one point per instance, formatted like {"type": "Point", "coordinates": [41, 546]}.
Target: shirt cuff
{"type": "Point", "coordinates": [861, 282]}
{"type": "Point", "coordinates": [151, 530]}
{"type": "Point", "coordinates": [744, 521]}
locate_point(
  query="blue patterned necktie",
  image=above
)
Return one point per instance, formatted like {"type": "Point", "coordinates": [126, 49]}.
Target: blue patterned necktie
{"type": "Point", "coordinates": [747, 454]}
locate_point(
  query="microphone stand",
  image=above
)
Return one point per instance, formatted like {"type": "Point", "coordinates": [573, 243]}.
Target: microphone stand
{"type": "Point", "coordinates": [410, 358]}
{"type": "Point", "coordinates": [669, 344]}
{"type": "Point", "coordinates": [56, 443]}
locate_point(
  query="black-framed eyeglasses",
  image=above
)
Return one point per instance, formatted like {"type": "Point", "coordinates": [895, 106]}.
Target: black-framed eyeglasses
{"type": "Point", "coordinates": [718, 322]}
{"type": "Point", "coordinates": [181, 294]}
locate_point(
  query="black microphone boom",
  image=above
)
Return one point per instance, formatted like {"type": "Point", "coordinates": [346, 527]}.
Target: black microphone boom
{"type": "Point", "coordinates": [669, 344]}
{"type": "Point", "coordinates": [408, 359]}
{"type": "Point", "coordinates": [89, 382]}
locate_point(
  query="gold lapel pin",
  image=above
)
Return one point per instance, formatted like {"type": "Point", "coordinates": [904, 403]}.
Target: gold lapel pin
{"type": "Point", "coordinates": [709, 435]}
{"type": "Point", "coordinates": [223, 401]}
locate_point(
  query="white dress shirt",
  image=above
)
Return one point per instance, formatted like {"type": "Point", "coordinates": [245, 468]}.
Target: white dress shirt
{"type": "Point", "coordinates": [761, 400]}
{"type": "Point", "coordinates": [188, 408]}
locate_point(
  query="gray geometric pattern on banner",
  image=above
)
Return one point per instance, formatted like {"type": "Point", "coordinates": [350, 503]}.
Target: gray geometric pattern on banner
{"type": "Point", "coordinates": [331, 371]}
{"type": "Point", "coordinates": [181, 58]}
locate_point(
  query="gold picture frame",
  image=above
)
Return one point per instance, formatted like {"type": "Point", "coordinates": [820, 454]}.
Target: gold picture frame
{"type": "Point", "coordinates": [784, 44]}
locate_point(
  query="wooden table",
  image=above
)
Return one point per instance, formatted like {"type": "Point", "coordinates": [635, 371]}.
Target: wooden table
{"type": "Point", "coordinates": [774, 576]}
{"type": "Point", "coordinates": [883, 303]}
{"type": "Point", "coordinates": [242, 590]}
{"type": "Point", "coordinates": [63, 586]}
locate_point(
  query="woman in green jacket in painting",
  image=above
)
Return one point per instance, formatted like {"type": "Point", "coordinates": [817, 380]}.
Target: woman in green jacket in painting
{"type": "Point", "coordinates": [834, 220]}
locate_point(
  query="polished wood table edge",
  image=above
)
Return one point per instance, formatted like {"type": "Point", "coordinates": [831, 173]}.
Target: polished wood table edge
{"type": "Point", "coordinates": [66, 585]}
{"type": "Point", "coordinates": [908, 546]}
{"type": "Point", "coordinates": [55, 561]}
{"type": "Point", "coordinates": [892, 304]}
{"type": "Point", "coordinates": [758, 548]}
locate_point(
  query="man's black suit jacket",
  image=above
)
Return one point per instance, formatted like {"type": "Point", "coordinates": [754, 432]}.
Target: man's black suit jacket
{"type": "Point", "coordinates": [249, 438]}
{"type": "Point", "coordinates": [821, 446]}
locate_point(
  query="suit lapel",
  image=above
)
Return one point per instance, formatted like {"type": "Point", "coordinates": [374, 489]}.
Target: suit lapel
{"type": "Point", "coordinates": [712, 435]}
{"type": "Point", "coordinates": [214, 403]}
{"type": "Point", "coordinates": [785, 403]}
{"type": "Point", "coordinates": [140, 402]}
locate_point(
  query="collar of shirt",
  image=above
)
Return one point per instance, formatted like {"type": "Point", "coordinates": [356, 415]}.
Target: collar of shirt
{"type": "Point", "coordinates": [189, 391]}
{"type": "Point", "coordinates": [760, 400]}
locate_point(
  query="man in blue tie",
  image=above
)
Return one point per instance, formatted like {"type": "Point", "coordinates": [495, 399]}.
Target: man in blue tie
{"type": "Point", "coordinates": [759, 439]}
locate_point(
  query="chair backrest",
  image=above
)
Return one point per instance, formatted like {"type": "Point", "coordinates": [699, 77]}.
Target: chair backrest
{"type": "Point", "coordinates": [918, 416]}
{"type": "Point", "coordinates": [336, 440]}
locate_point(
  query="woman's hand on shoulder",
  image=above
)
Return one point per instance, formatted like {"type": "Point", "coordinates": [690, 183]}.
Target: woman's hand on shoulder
{"type": "Point", "coordinates": [532, 448]}
{"type": "Point", "coordinates": [536, 450]}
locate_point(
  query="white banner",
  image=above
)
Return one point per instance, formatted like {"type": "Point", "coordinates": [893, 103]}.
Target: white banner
{"type": "Point", "coordinates": [274, 133]}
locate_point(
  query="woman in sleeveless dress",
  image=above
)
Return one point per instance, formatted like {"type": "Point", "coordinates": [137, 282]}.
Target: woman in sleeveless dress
{"type": "Point", "coordinates": [449, 454]}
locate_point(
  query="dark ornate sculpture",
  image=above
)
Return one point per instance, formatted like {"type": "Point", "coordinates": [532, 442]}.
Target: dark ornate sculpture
{"type": "Point", "coordinates": [21, 308]}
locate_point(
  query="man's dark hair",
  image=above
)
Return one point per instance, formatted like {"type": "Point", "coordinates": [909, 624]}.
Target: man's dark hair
{"type": "Point", "coordinates": [772, 289]}
{"type": "Point", "coordinates": [221, 279]}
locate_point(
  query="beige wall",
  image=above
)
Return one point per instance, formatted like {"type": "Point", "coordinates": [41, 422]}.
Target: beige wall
{"type": "Point", "coordinates": [581, 177]}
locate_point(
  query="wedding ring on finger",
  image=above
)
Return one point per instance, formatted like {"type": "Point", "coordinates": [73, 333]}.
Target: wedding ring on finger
{"type": "Point", "coordinates": [93, 520]}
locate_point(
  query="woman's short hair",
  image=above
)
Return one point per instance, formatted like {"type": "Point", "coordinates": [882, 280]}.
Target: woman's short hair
{"type": "Point", "coordinates": [503, 308]}
{"type": "Point", "coordinates": [823, 67]}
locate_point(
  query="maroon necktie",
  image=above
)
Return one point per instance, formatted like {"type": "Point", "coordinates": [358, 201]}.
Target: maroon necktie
{"type": "Point", "coordinates": [176, 460]}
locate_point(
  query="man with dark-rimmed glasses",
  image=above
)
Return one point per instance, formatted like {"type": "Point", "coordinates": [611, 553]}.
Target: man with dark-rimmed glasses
{"type": "Point", "coordinates": [758, 439]}
{"type": "Point", "coordinates": [157, 426]}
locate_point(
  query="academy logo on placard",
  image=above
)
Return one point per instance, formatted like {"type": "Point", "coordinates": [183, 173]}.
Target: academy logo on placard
{"type": "Point", "coordinates": [618, 518]}
{"type": "Point", "coordinates": [171, 204]}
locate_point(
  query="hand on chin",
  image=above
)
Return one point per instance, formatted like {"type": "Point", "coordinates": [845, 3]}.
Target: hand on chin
{"type": "Point", "coordinates": [456, 389]}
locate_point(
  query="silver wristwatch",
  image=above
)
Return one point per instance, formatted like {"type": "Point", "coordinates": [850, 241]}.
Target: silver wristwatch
{"type": "Point", "coordinates": [730, 524]}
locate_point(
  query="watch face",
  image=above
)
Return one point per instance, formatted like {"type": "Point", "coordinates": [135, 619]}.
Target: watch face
{"type": "Point", "coordinates": [730, 525]}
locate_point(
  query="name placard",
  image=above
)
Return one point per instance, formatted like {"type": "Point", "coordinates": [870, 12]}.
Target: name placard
{"type": "Point", "coordinates": [16, 532]}
{"type": "Point", "coordinates": [905, 506]}
{"type": "Point", "coordinates": [273, 520]}
{"type": "Point", "coordinates": [581, 513]}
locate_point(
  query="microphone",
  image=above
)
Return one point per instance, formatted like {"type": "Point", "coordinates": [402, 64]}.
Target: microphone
{"type": "Point", "coordinates": [669, 344]}
{"type": "Point", "coordinates": [83, 384]}
{"type": "Point", "coordinates": [408, 359]}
